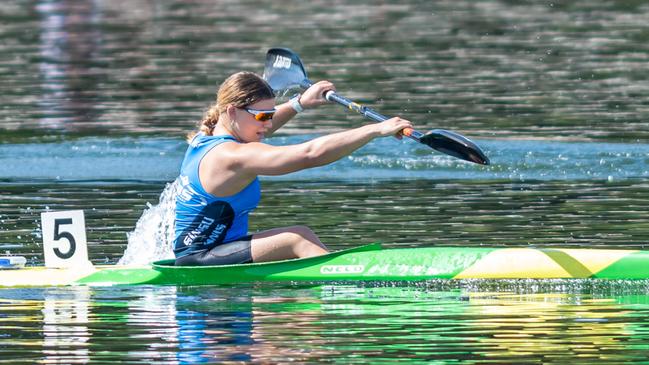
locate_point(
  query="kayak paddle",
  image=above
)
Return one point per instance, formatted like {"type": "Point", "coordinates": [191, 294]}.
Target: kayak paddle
{"type": "Point", "coordinates": [284, 71]}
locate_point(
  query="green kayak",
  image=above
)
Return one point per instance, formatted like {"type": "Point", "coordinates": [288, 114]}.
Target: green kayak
{"type": "Point", "coordinates": [369, 263]}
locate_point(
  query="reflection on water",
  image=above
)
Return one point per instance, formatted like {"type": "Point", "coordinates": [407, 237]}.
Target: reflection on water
{"type": "Point", "coordinates": [65, 325]}
{"type": "Point", "coordinates": [70, 40]}
{"type": "Point", "coordinates": [463, 322]}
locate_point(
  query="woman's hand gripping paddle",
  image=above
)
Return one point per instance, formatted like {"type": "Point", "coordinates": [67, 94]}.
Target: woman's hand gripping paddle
{"type": "Point", "coordinates": [284, 71]}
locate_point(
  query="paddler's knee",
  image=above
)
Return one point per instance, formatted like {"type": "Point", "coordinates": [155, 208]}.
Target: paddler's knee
{"type": "Point", "coordinates": [308, 240]}
{"type": "Point", "coordinates": [303, 231]}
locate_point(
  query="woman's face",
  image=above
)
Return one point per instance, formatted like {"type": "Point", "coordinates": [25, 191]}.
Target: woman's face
{"type": "Point", "coordinates": [253, 122]}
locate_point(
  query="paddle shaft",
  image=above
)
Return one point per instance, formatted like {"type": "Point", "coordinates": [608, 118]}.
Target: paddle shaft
{"type": "Point", "coordinates": [363, 110]}
{"type": "Point", "coordinates": [369, 113]}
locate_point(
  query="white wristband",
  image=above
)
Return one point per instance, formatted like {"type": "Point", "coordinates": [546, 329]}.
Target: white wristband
{"type": "Point", "coordinates": [295, 104]}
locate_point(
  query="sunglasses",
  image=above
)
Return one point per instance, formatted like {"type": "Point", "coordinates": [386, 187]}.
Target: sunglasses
{"type": "Point", "coordinates": [261, 115]}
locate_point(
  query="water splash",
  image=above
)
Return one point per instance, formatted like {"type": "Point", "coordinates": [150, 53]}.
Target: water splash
{"type": "Point", "coordinates": [153, 235]}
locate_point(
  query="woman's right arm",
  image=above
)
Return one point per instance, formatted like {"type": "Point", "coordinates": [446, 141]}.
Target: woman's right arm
{"type": "Point", "coordinates": [254, 159]}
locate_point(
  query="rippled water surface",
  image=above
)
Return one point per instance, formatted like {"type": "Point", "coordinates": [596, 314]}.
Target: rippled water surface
{"type": "Point", "coordinates": [97, 96]}
{"type": "Point", "coordinates": [563, 69]}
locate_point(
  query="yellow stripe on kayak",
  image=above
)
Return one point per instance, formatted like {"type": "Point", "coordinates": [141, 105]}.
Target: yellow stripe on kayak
{"type": "Point", "coordinates": [574, 267]}
{"type": "Point", "coordinates": [597, 260]}
{"type": "Point", "coordinates": [512, 263]}
{"type": "Point", "coordinates": [40, 276]}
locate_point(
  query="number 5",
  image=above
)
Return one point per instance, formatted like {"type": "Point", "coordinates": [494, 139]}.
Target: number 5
{"type": "Point", "coordinates": [67, 235]}
{"type": "Point", "coordinates": [64, 239]}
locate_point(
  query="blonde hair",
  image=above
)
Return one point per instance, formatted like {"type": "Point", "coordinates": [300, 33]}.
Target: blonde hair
{"type": "Point", "coordinates": [240, 90]}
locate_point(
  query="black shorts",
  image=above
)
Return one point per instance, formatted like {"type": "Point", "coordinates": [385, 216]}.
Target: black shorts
{"type": "Point", "coordinates": [235, 252]}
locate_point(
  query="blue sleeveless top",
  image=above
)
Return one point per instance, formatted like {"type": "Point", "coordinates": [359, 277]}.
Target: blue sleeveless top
{"type": "Point", "coordinates": [203, 220]}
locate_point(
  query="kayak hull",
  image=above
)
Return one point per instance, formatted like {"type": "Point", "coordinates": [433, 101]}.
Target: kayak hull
{"type": "Point", "coordinates": [368, 263]}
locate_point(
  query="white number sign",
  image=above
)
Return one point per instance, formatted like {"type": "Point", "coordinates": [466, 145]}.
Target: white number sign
{"type": "Point", "coordinates": [64, 239]}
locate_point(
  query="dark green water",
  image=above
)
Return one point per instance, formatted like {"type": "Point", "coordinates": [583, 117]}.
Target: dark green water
{"type": "Point", "coordinates": [96, 97]}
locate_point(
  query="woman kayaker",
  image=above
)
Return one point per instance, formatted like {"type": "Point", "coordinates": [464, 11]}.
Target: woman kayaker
{"type": "Point", "coordinates": [219, 173]}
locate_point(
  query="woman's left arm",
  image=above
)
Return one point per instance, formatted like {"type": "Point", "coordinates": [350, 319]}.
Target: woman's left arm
{"type": "Point", "coordinates": [311, 98]}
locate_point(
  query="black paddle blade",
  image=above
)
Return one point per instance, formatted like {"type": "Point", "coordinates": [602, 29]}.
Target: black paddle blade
{"type": "Point", "coordinates": [455, 145]}
{"type": "Point", "coordinates": [284, 70]}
